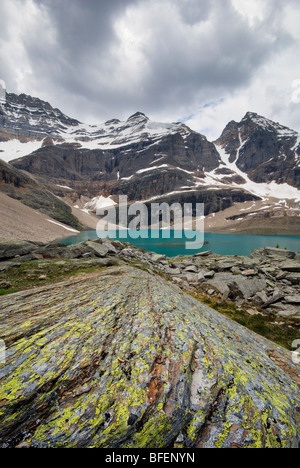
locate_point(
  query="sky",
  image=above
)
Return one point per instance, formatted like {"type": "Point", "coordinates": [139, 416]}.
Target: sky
{"type": "Point", "coordinates": [202, 62]}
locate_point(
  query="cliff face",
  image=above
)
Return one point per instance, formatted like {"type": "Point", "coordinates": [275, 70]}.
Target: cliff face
{"type": "Point", "coordinates": [26, 116]}
{"type": "Point", "coordinates": [264, 150]}
{"type": "Point", "coordinates": [122, 358]}
{"type": "Point", "coordinates": [254, 159]}
{"type": "Point", "coordinates": [21, 186]}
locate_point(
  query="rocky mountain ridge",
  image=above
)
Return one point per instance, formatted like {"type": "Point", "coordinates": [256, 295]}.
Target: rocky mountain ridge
{"type": "Point", "coordinates": [23, 116]}
{"type": "Point", "coordinates": [255, 159]}
{"type": "Point", "coordinates": [266, 151]}
{"type": "Point", "coordinates": [23, 187]}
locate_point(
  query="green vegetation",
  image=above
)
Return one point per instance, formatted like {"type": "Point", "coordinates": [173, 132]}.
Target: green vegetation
{"type": "Point", "coordinates": [122, 358]}
{"type": "Point", "coordinates": [265, 325]}
{"type": "Point", "coordinates": [37, 273]}
{"type": "Point", "coordinates": [26, 275]}
{"type": "Point", "coordinates": [3, 292]}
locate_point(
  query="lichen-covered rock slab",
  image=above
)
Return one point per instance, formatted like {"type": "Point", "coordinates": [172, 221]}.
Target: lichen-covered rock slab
{"type": "Point", "coordinates": [122, 358]}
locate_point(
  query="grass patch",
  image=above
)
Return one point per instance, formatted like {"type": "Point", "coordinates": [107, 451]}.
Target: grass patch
{"type": "Point", "coordinates": [4, 292]}
{"type": "Point", "coordinates": [283, 334]}
{"type": "Point", "coordinates": [37, 273]}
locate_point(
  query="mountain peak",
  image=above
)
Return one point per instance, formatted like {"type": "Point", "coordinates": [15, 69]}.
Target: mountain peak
{"type": "Point", "coordinates": [268, 125]}
{"type": "Point", "coordinates": [138, 116]}
{"type": "Point", "coordinates": [256, 118]}
{"type": "Point", "coordinates": [33, 117]}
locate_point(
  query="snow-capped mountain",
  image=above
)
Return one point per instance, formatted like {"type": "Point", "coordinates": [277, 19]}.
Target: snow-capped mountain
{"type": "Point", "coordinates": [25, 116]}
{"type": "Point", "coordinates": [145, 160]}
{"type": "Point", "coordinates": [264, 150]}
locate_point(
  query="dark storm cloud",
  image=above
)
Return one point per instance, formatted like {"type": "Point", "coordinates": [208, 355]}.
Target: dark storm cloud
{"type": "Point", "coordinates": [222, 56]}
{"type": "Point", "coordinates": [83, 26]}
{"type": "Point", "coordinates": [83, 33]}
{"type": "Point", "coordinates": [100, 59]}
{"type": "Point", "coordinates": [198, 52]}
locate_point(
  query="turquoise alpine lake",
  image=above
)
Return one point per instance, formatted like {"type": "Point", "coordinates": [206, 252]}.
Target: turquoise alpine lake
{"type": "Point", "coordinates": [173, 243]}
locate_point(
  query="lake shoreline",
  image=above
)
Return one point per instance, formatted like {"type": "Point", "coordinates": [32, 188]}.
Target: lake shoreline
{"type": "Point", "coordinates": [221, 244]}
{"type": "Point", "coordinates": [260, 290]}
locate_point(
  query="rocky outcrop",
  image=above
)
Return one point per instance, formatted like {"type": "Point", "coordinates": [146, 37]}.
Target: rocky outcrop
{"type": "Point", "coordinates": [26, 116]}
{"type": "Point", "coordinates": [266, 151]}
{"type": "Point", "coordinates": [23, 187]}
{"type": "Point", "coordinates": [122, 358]}
{"type": "Point", "coordinates": [147, 160]}
{"type": "Point", "coordinates": [132, 171]}
{"type": "Point", "coordinates": [15, 248]}
{"type": "Point", "coordinates": [213, 200]}
{"type": "Point", "coordinates": [268, 280]}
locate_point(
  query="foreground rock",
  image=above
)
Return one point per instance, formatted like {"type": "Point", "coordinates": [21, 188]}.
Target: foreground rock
{"type": "Point", "coordinates": [269, 279]}
{"type": "Point", "coordinates": [122, 358]}
{"type": "Point", "coordinates": [13, 248]}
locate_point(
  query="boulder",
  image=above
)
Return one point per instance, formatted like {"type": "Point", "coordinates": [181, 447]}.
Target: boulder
{"type": "Point", "coordinates": [128, 252]}
{"type": "Point", "coordinates": [247, 287]}
{"type": "Point", "coordinates": [237, 286]}
{"type": "Point", "coordinates": [77, 251]}
{"type": "Point", "coordinates": [191, 269]}
{"type": "Point", "coordinates": [51, 251]}
{"type": "Point", "coordinates": [172, 271]}
{"type": "Point", "coordinates": [203, 254]}
{"type": "Point", "coordinates": [100, 250]}
{"type": "Point", "coordinates": [269, 271]}
{"type": "Point", "coordinates": [286, 311]}
{"type": "Point", "coordinates": [260, 298]}
{"type": "Point", "coordinates": [179, 265]}
{"type": "Point", "coordinates": [225, 265]}
{"type": "Point", "coordinates": [157, 258]}
{"type": "Point", "coordinates": [220, 282]}
{"type": "Point", "coordinates": [292, 299]}
{"type": "Point", "coordinates": [209, 274]}
{"type": "Point", "coordinates": [191, 277]}
{"type": "Point", "coordinates": [291, 266]}
{"type": "Point", "coordinates": [293, 278]}
{"type": "Point", "coordinates": [273, 252]}
{"type": "Point", "coordinates": [111, 248]}
{"type": "Point", "coordinates": [124, 359]}
{"type": "Point", "coordinates": [276, 298]}
{"type": "Point", "coordinates": [200, 276]}
{"type": "Point", "coordinates": [10, 248]}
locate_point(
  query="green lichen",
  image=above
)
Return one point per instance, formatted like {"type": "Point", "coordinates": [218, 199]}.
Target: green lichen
{"type": "Point", "coordinates": [126, 360]}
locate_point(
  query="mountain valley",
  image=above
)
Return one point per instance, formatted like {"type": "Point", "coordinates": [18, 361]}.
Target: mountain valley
{"type": "Point", "coordinates": [248, 178]}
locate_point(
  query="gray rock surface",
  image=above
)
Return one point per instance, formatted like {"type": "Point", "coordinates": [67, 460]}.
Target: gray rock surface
{"type": "Point", "coordinates": [101, 250]}
{"type": "Point", "coordinates": [11, 248]}
{"type": "Point", "coordinates": [124, 359]}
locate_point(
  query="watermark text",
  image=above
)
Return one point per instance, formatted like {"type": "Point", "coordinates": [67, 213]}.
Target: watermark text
{"type": "Point", "coordinates": [155, 220]}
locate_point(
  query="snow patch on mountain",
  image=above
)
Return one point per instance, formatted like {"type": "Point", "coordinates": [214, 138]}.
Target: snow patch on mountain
{"type": "Point", "coordinates": [269, 125]}
{"type": "Point", "coordinates": [262, 190]}
{"type": "Point", "coordinates": [14, 149]}
{"type": "Point", "coordinates": [63, 226]}
{"type": "Point", "coordinates": [104, 136]}
{"type": "Point", "coordinates": [99, 203]}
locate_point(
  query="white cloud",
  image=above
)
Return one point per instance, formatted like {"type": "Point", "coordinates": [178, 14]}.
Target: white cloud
{"type": "Point", "coordinates": [252, 10]}
{"type": "Point", "coordinates": [168, 58]}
